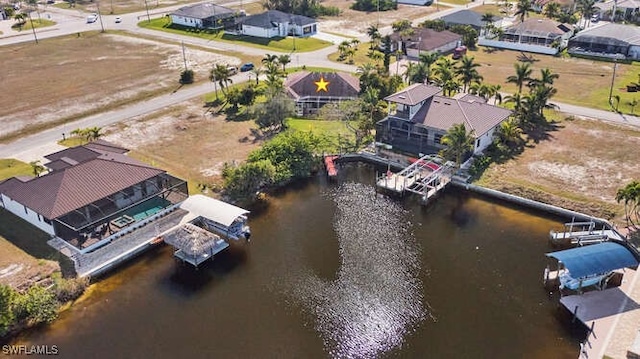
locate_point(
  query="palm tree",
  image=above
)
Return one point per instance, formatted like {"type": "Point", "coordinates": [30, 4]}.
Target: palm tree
{"type": "Point", "coordinates": [269, 59]}
{"type": "Point", "coordinates": [374, 36]}
{"type": "Point", "coordinates": [343, 47]}
{"type": "Point", "coordinates": [552, 10]}
{"type": "Point", "coordinates": [284, 60]}
{"type": "Point", "coordinates": [37, 168]}
{"type": "Point", "coordinates": [21, 19]}
{"type": "Point", "coordinates": [458, 142]}
{"type": "Point", "coordinates": [446, 76]}
{"type": "Point", "coordinates": [222, 75]}
{"type": "Point", "coordinates": [495, 93]}
{"type": "Point", "coordinates": [257, 71]}
{"type": "Point", "coordinates": [467, 71]}
{"type": "Point", "coordinates": [428, 59]}
{"type": "Point", "coordinates": [630, 194]}
{"type": "Point", "coordinates": [523, 8]}
{"type": "Point", "coordinates": [487, 18]}
{"type": "Point", "coordinates": [93, 133]}
{"type": "Point", "coordinates": [633, 103]}
{"type": "Point", "coordinates": [510, 132]}
{"type": "Point", "coordinates": [522, 76]}
{"type": "Point", "coordinates": [588, 9]}
{"type": "Point", "coordinates": [547, 77]}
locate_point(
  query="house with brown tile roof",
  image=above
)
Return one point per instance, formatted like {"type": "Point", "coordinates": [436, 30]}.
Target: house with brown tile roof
{"type": "Point", "coordinates": [419, 116]}
{"type": "Point", "coordinates": [422, 40]}
{"type": "Point", "coordinates": [91, 192]}
{"type": "Point", "coordinates": [312, 90]}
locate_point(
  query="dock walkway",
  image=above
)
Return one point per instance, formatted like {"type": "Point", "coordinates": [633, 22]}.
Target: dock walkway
{"type": "Point", "coordinates": [615, 310]}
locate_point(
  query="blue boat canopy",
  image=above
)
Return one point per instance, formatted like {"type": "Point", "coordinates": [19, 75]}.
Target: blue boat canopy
{"type": "Point", "coordinates": [595, 259]}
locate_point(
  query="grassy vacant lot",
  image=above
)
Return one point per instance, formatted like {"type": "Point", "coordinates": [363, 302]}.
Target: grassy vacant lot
{"type": "Point", "coordinates": [37, 23]}
{"type": "Point", "coordinates": [70, 77]}
{"type": "Point", "coordinates": [580, 166]}
{"type": "Point", "coordinates": [582, 82]}
{"type": "Point", "coordinates": [279, 44]}
{"type": "Point", "coordinates": [18, 237]}
{"type": "Point", "coordinates": [334, 134]}
{"type": "Point", "coordinates": [12, 167]}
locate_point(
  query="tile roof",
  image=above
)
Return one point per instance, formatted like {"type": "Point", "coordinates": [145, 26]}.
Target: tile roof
{"type": "Point", "coordinates": [414, 94]}
{"type": "Point", "coordinates": [539, 27]}
{"type": "Point", "coordinates": [269, 18]}
{"type": "Point", "coordinates": [338, 84]}
{"type": "Point", "coordinates": [70, 186]}
{"type": "Point", "coordinates": [443, 112]}
{"type": "Point", "coordinates": [427, 39]}
{"type": "Point", "coordinates": [204, 11]}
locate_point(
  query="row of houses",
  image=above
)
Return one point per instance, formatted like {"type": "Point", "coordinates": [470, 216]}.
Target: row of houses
{"type": "Point", "coordinates": [545, 36]}
{"type": "Point", "coordinates": [272, 23]}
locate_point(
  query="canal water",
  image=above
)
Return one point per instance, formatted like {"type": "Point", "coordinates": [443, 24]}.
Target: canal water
{"type": "Point", "coordinates": [335, 271]}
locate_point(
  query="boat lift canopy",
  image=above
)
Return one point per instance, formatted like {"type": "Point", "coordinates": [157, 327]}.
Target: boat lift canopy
{"type": "Point", "coordinates": [595, 259]}
{"type": "Point", "coordinates": [217, 211]}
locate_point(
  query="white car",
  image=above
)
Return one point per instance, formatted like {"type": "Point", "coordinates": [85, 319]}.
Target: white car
{"type": "Point", "coordinates": [118, 19]}
{"type": "Point", "coordinates": [92, 18]}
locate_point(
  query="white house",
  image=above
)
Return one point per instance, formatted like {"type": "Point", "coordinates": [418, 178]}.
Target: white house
{"type": "Point", "coordinates": [425, 40]}
{"type": "Point", "coordinates": [274, 23]}
{"type": "Point", "coordinates": [204, 16]}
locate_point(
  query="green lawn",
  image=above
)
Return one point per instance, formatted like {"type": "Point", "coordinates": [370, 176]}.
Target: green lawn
{"type": "Point", "coordinates": [333, 133]}
{"type": "Point", "coordinates": [10, 167]}
{"type": "Point", "coordinates": [279, 44]}
{"type": "Point", "coordinates": [73, 141]}
{"type": "Point", "coordinates": [37, 23]}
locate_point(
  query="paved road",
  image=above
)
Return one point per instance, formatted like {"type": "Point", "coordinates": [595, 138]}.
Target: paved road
{"type": "Point", "coordinates": [35, 146]}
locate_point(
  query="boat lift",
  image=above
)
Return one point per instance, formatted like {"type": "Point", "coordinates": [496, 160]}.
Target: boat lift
{"type": "Point", "coordinates": [425, 176]}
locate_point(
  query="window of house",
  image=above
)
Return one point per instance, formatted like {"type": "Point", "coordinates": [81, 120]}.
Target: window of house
{"type": "Point", "coordinates": [438, 139]}
{"type": "Point", "coordinates": [26, 210]}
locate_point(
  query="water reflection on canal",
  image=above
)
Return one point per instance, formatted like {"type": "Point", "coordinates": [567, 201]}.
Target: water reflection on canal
{"type": "Point", "coordinates": [335, 271]}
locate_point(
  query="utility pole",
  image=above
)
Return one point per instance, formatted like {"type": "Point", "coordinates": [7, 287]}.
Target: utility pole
{"type": "Point", "coordinates": [613, 78]}
{"type": "Point", "coordinates": [100, 16]}
{"type": "Point", "coordinates": [32, 27]}
{"type": "Point", "coordinates": [147, 7]}
{"type": "Point", "coordinates": [184, 57]}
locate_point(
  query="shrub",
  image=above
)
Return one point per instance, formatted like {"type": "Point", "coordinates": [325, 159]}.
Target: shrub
{"type": "Point", "coordinates": [69, 289]}
{"type": "Point", "coordinates": [186, 77]}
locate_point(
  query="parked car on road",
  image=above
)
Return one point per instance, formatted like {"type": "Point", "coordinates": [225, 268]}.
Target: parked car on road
{"type": "Point", "coordinates": [118, 19]}
{"type": "Point", "coordinates": [92, 18]}
{"type": "Point", "coordinates": [246, 67]}
{"type": "Point", "coordinates": [232, 70]}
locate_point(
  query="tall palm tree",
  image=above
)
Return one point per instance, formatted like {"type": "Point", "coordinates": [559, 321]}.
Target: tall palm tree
{"type": "Point", "coordinates": [495, 93]}
{"type": "Point", "coordinates": [269, 59]}
{"type": "Point", "coordinates": [428, 59]}
{"type": "Point", "coordinates": [630, 194]}
{"type": "Point", "coordinates": [522, 76]}
{"type": "Point", "coordinates": [284, 60]}
{"type": "Point", "coordinates": [523, 8]}
{"type": "Point", "coordinates": [552, 10]}
{"type": "Point", "coordinates": [467, 71]}
{"type": "Point", "coordinates": [93, 133]}
{"type": "Point", "coordinates": [547, 77]}
{"type": "Point", "coordinates": [374, 37]}
{"type": "Point", "coordinates": [258, 71]}
{"type": "Point", "coordinates": [588, 9]}
{"type": "Point", "coordinates": [487, 19]}
{"type": "Point", "coordinates": [445, 76]}
{"type": "Point", "coordinates": [458, 142]}
{"type": "Point", "coordinates": [221, 74]}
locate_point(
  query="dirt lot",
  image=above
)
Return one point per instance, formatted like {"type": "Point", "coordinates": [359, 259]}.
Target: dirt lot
{"type": "Point", "coordinates": [186, 141]}
{"type": "Point", "coordinates": [72, 76]}
{"type": "Point", "coordinates": [580, 167]}
{"type": "Point", "coordinates": [355, 23]}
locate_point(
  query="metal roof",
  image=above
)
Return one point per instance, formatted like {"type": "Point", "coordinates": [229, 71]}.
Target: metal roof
{"type": "Point", "coordinates": [204, 11]}
{"type": "Point", "coordinates": [467, 17]}
{"type": "Point", "coordinates": [271, 18]}
{"type": "Point", "coordinates": [595, 259]}
{"type": "Point", "coordinates": [213, 209]}
{"type": "Point", "coordinates": [615, 34]}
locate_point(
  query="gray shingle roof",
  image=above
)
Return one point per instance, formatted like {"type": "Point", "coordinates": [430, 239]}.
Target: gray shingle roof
{"type": "Point", "coordinates": [340, 84]}
{"type": "Point", "coordinates": [72, 187]}
{"type": "Point", "coordinates": [204, 11]}
{"type": "Point", "coordinates": [414, 94]}
{"type": "Point", "coordinates": [610, 33]}
{"type": "Point", "coordinates": [539, 27]}
{"type": "Point", "coordinates": [466, 17]}
{"type": "Point", "coordinates": [443, 112]}
{"type": "Point", "coordinates": [269, 18]}
{"type": "Point", "coordinates": [428, 39]}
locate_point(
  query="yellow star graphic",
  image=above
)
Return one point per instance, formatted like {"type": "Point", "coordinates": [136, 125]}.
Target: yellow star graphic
{"type": "Point", "coordinates": [322, 85]}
